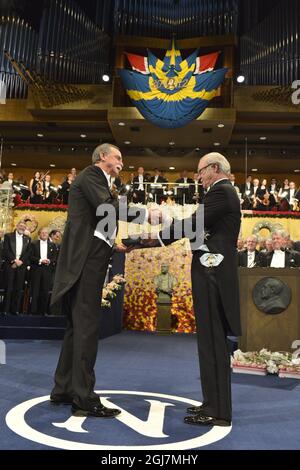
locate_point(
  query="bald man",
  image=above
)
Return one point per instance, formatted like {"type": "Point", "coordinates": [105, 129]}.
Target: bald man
{"type": "Point", "coordinates": [215, 287]}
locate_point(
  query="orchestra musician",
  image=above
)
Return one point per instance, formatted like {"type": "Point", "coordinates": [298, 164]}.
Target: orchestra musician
{"type": "Point", "coordinates": [36, 189]}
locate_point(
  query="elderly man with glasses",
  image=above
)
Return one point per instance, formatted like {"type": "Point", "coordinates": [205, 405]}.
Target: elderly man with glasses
{"type": "Point", "coordinates": [214, 285]}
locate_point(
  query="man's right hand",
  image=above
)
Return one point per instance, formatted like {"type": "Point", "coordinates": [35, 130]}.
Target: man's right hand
{"type": "Point", "coordinates": [149, 242]}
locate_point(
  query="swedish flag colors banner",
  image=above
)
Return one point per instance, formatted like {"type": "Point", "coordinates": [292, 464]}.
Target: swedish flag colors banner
{"type": "Point", "coordinates": [172, 92]}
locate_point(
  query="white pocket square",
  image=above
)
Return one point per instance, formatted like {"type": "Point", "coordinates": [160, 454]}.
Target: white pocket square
{"type": "Point", "coordinates": [211, 259]}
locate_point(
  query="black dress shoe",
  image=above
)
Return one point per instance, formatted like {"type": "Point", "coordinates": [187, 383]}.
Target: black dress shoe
{"type": "Point", "coordinates": [196, 409]}
{"type": "Point", "coordinates": [201, 420]}
{"type": "Point", "coordinates": [98, 411]}
{"type": "Point", "coordinates": [61, 399]}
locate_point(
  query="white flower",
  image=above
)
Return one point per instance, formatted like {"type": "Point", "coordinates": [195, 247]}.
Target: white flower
{"type": "Point", "coordinates": [272, 367]}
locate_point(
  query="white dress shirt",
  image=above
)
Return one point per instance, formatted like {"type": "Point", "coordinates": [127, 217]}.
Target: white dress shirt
{"type": "Point", "coordinates": [19, 245]}
{"type": "Point", "coordinates": [141, 180]}
{"type": "Point", "coordinates": [43, 250]}
{"type": "Point", "coordinates": [292, 195]}
{"type": "Point", "coordinates": [250, 259]}
{"type": "Point", "coordinates": [278, 259]}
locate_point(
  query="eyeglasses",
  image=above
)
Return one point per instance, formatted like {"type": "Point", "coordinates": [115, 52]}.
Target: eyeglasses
{"type": "Point", "coordinates": [204, 168]}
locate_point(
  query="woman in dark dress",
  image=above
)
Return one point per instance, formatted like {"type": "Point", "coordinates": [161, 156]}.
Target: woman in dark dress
{"type": "Point", "coordinates": [36, 189]}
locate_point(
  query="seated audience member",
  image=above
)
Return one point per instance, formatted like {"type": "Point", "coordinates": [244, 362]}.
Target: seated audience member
{"type": "Point", "coordinates": [55, 236]}
{"type": "Point", "coordinates": [288, 245]}
{"type": "Point", "coordinates": [279, 257]}
{"type": "Point", "coordinates": [240, 244]}
{"type": "Point", "coordinates": [268, 246]}
{"type": "Point", "coordinates": [249, 258]}
{"type": "Point", "coordinates": [16, 257]}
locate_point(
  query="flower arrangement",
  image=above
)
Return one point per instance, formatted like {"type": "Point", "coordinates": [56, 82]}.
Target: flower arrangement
{"type": "Point", "coordinates": [282, 363]}
{"type": "Point", "coordinates": [140, 307]}
{"type": "Point", "coordinates": [110, 291]}
{"type": "Point", "coordinates": [183, 317]}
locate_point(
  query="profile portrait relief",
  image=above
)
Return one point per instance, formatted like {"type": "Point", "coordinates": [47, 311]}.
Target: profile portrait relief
{"type": "Point", "coordinates": [271, 295]}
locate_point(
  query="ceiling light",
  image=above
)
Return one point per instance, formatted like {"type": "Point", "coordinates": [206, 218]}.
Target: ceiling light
{"type": "Point", "coordinates": [131, 168]}
{"type": "Point", "coordinates": [197, 149]}
{"type": "Point", "coordinates": [106, 78]}
{"type": "Point", "coordinates": [240, 78]}
{"type": "Point", "coordinates": [171, 143]}
{"type": "Point", "coordinates": [13, 164]}
{"type": "Point", "coordinates": [127, 142]}
{"type": "Point", "coordinates": [73, 149]}
{"type": "Point", "coordinates": [83, 136]}
{"type": "Point", "coordinates": [52, 165]}
{"type": "Point", "coordinates": [121, 124]}
{"type": "Point", "coordinates": [297, 171]}
{"type": "Point", "coordinates": [171, 167]}
{"type": "Point", "coordinates": [216, 144]}
{"type": "Point", "coordinates": [254, 169]}
{"type": "Point", "coordinates": [59, 149]}
{"type": "Point", "coordinates": [40, 135]}
{"type": "Point", "coordinates": [221, 125]}
{"type": "Point", "coordinates": [262, 138]}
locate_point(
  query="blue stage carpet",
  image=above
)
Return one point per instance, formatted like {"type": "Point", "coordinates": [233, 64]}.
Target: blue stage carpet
{"type": "Point", "coordinates": [266, 409]}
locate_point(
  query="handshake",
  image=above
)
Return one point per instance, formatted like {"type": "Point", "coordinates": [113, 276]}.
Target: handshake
{"type": "Point", "coordinates": [154, 217]}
